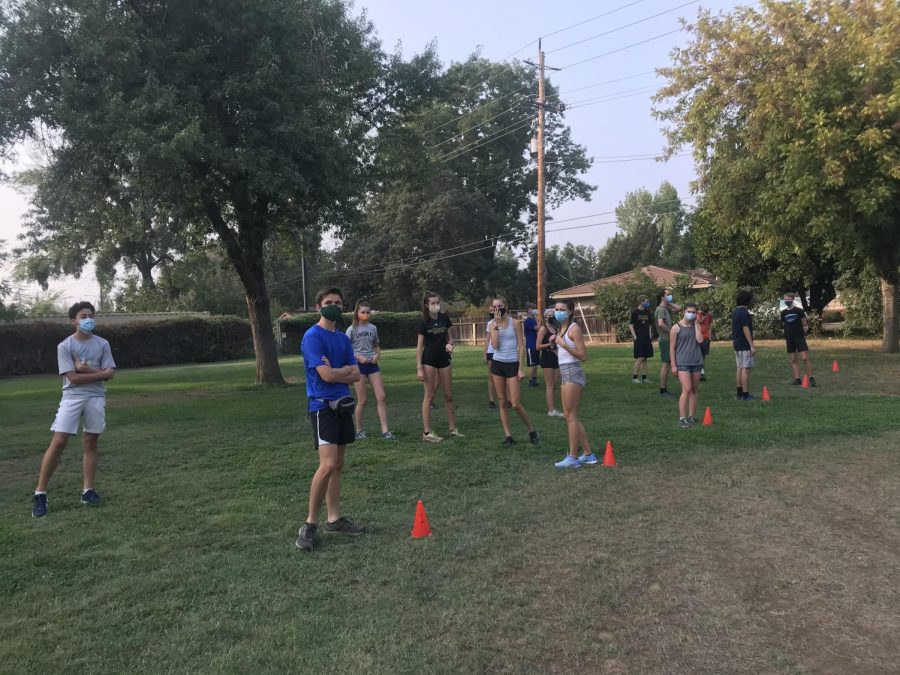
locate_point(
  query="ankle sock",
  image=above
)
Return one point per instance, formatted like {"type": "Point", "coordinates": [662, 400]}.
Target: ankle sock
{"type": "Point", "coordinates": [740, 392]}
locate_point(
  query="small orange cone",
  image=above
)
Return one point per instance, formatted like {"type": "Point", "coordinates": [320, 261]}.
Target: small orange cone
{"type": "Point", "coordinates": [421, 528]}
{"type": "Point", "coordinates": [707, 418]}
{"type": "Point", "coordinates": [766, 396]}
{"type": "Point", "coordinates": [609, 459]}
{"type": "Point", "coordinates": [806, 381]}
{"type": "Point", "coordinates": [834, 367]}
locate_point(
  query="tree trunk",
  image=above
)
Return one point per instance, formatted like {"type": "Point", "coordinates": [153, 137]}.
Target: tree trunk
{"type": "Point", "coordinates": [890, 340]}
{"type": "Point", "coordinates": [268, 371]}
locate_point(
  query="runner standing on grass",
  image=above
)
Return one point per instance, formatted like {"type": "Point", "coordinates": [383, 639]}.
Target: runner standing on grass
{"type": "Point", "coordinates": [705, 319]}
{"type": "Point", "coordinates": [744, 349]}
{"type": "Point", "coordinates": [663, 319]}
{"type": "Point", "coordinates": [506, 367]}
{"type": "Point", "coordinates": [639, 324]}
{"type": "Point", "coordinates": [530, 328]}
{"type": "Point", "coordinates": [572, 352]}
{"type": "Point", "coordinates": [433, 350]}
{"type": "Point", "coordinates": [549, 361]}
{"type": "Point", "coordinates": [687, 360]}
{"type": "Point", "coordinates": [488, 356]}
{"type": "Point", "coordinates": [367, 349]}
{"type": "Point", "coordinates": [796, 326]}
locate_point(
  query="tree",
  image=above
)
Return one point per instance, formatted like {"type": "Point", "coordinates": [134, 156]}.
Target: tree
{"type": "Point", "coordinates": [792, 111]}
{"type": "Point", "coordinates": [247, 119]}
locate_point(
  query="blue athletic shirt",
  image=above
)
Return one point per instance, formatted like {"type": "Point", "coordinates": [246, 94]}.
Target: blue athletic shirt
{"type": "Point", "coordinates": [531, 329]}
{"type": "Point", "coordinates": [336, 347]}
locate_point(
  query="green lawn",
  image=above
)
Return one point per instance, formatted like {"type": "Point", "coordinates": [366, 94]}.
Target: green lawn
{"type": "Point", "coordinates": [769, 542]}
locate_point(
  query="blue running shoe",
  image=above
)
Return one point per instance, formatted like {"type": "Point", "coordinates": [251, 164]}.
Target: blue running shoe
{"type": "Point", "coordinates": [90, 498]}
{"type": "Point", "coordinates": [39, 506]}
{"type": "Point", "coordinates": [588, 459]}
{"type": "Point", "coordinates": [568, 462]}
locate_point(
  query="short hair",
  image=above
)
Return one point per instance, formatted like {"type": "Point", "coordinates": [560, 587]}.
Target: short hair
{"type": "Point", "coordinates": [659, 297]}
{"type": "Point", "coordinates": [329, 291]}
{"type": "Point", "coordinates": [790, 293]}
{"type": "Point", "coordinates": [78, 306]}
{"type": "Point", "coordinates": [743, 298]}
{"type": "Point", "coordinates": [641, 299]}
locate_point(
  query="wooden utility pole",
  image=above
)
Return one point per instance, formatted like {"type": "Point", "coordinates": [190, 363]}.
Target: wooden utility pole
{"type": "Point", "coordinates": [540, 184]}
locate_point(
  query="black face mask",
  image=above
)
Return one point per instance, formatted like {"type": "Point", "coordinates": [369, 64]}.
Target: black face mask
{"type": "Point", "coordinates": [502, 311]}
{"type": "Point", "coordinates": [491, 314]}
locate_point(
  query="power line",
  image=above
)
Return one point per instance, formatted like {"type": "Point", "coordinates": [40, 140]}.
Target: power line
{"type": "Point", "coordinates": [593, 18]}
{"type": "Point", "coordinates": [611, 96]}
{"type": "Point", "coordinates": [454, 136]}
{"type": "Point", "coordinates": [458, 152]}
{"type": "Point", "coordinates": [618, 79]}
{"type": "Point", "coordinates": [627, 25]}
{"type": "Point", "coordinates": [621, 49]}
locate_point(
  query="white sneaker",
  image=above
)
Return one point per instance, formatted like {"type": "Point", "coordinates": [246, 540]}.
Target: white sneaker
{"type": "Point", "coordinates": [555, 413]}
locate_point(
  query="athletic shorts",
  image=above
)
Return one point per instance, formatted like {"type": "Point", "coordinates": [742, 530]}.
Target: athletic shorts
{"type": "Point", "coordinates": [531, 356]}
{"type": "Point", "coordinates": [796, 344]}
{"type": "Point", "coordinates": [436, 359]}
{"type": "Point", "coordinates": [368, 368]}
{"type": "Point", "coordinates": [572, 373]}
{"type": "Point", "coordinates": [744, 359]}
{"type": "Point", "coordinates": [331, 428]}
{"type": "Point", "coordinates": [664, 355]}
{"type": "Point", "coordinates": [704, 347]}
{"type": "Point", "coordinates": [689, 369]}
{"type": "Point", "coordinates": [549, 359]}
{"type": "Point", "coordinates": [643, 348]}
{"type": "Point", "coordinates": [72, 410]}
{"type": "Point", "coordinates": [504, 369]}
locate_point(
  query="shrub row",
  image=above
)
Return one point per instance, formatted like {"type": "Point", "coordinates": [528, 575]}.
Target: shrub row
{"type": "Point", "coordinates": [395, 329]}
{"type": "Point", "coordinates": [31, 348]}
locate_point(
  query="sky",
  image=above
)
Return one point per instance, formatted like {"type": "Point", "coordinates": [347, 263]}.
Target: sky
{"type": "Point", "coordinates": [619, 133]}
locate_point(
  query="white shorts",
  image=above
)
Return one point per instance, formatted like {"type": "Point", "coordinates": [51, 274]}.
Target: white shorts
{"type": "Point", "coordinates": [71, 410]}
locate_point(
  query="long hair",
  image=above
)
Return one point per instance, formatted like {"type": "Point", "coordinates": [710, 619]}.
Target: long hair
{"type": "Point", "coordinates": [359, 305]}
{"type": "Point", "coordinates": [428, 296]}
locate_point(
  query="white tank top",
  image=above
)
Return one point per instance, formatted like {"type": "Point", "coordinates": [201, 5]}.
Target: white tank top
{"type": "Point", "coordinates": [563, 355]}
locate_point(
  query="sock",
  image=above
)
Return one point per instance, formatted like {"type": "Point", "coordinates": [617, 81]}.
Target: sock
{"type": "Point", "coordinates": [740, 392]}
{"type": "Point", "coordinates": [40, 492]}
{"type": "Point", "coordinates": [644, 378]}
{"type": "Point", "coordinates": [86, 489]}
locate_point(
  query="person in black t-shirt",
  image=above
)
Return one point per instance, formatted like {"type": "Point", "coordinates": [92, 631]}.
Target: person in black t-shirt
{"type": "Point", "coordinates": [744, 349]}
{"type": "Point", "coordinates": [795, 327]}
{"type": "Point", "coordinates": [640, 324]}
{"type": "Point", "coordinates": [433, 350]}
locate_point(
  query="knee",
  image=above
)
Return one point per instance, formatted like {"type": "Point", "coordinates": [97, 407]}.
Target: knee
{"type": "Point", "coordinates": [448, 398]}
{"type": "Point", "coordinates": [380, 398]}
{"type": "Point", "coordinates": [331, 466]}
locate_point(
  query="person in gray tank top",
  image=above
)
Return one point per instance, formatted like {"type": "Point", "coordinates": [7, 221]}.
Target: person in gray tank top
{"type": "Point", "coordinates": [687, 360]}
{"type": "Point", "coordinates": [367, 350]}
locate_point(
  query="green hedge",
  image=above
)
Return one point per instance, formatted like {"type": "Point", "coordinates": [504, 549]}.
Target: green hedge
{"type": "Point", "coordinates": [31, 348]}
{"type": "Point", "coordinates": [395, 329]}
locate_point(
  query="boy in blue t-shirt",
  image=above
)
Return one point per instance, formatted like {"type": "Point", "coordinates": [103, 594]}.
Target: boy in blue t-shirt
{"type": "Point", "coordinates": [530, 328]}
{"type": "Point", "coordinates": [330, 366]}
{"type": "Point", "coordinates": [85, 362]}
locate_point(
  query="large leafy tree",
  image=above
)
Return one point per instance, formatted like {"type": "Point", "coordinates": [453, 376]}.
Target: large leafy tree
{"type": "Point", "coordinates": [247, 119]}
{"type": "Point", "coordinates": [792, 112]}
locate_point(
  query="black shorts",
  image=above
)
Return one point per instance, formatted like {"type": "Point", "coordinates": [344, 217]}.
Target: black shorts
{"type": "Point", "coordinates": [490, 356]}
{"type": "Point", "coordinates": [330, 428]}
{"type": "Point", "coordinates": [796, 344]}
{"type": "Point", "coordinates": [531, 356]}
{"type": "Point", "coordinates": [643, 348]}
{"type": "Point", "coordinates": [549, 359]}
{"type": "Point", "coordinates": [436, 359]}
{"type": "Point", "coordinates": [704, 347]}
{"type": "Point", "coordinates": [503, 369]}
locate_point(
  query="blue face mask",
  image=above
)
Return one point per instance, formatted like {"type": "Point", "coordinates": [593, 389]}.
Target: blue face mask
{"type": "Point", "coordinates": [689, 316]}
{"type": "Point", "coordinates": [645, 304]}
{"type": "Point", "coordinates": [560, 316]}
{"type": "Point", "coordinates": [669, 298]}
{"type": "Point", "coordinates": [86, 326]}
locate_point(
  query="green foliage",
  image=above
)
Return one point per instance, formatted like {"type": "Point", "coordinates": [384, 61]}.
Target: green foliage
{"type": "Point", "coordinates": [861, 295]}
{"type": "Point", "coordinates": [31, 348]}
{"type": "Point", "coordinates": [615, 302]}
{"type": "Point", "coordinates": [833, 316]}
{"type": "Point", "coordinates": [791, 110]}
{"type": "Point", "coordinates": [395, 329]}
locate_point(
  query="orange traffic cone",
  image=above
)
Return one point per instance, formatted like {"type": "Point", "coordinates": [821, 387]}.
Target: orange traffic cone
{"type": "Point", "coordinates": [707, 418]}
{"type": "Point", "coordinates": [834, 367]}
{"type": "Point", "coordinates": [806, 381]}
{"type": "Point", "coordinates": [766, 396]}
{"type": "Point", "coordinates": [421, 528]}
{"type": "Point", "coordinates": [609, 459]}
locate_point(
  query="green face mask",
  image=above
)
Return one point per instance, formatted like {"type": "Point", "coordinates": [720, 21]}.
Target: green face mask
{"type": "Point", "coordinates": [331, 312]}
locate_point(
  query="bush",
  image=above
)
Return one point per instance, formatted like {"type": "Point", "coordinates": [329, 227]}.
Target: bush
{"type": "Point", "coordinates": [616, 302]}
{"type": "Point", "coordinates": [832, 316]}
{"type": "Point", "coordinates": [31, 348]}
{"type": "Point", "coordinates": [861, 294]}
{"type": "Point", "coordinates": [395, 329]}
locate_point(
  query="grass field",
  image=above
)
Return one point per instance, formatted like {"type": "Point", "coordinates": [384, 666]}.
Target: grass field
{"type": "Point", "coordinates": [769, 542]}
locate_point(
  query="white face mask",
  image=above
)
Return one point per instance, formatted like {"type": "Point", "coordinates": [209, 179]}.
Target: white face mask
{"type": "Point", "coordinates": [434, 310]}
{"type": "Point", "coordinates": [690, 316]}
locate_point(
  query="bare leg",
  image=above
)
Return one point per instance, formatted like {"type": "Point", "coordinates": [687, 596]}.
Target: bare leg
{"type": "Point", "coordinates": [571, 396]}
{"type": "Point", "coordinates": [331, 462]}
{"type": "Point", "coordinates": [550, 388]}
{"type": "Point", "coordinates": [380, 399]}
{"type": "Point", "coordinates": [795, 366]}
{"type": "Point", "coordinates": [89, 459]}
{"type": "Point", "coordinates": [500, 387]}
{"type": "Point", "coordinates": [684, 399]}
{"type": "Point", "coordinates": [514, 391]}
{"type": "Point", "coordinates": [492, 392]}
{"type": "Point", "coordinates": [446, 378]}
{"type": "Point", "coordinates": [360, 387]}
{"type": "Point", "coordinates": [807, 363]}
{"type": "Point", "coordinates": [745, 380]}
{"type": "Point", "coordinates": [429, 385]}
{"type": "Point", "coordinates": [51, 458]}
{"type": "Point", "coordinates": [664, 376]}
{"type": "Point", "coordinates": [695, 394]}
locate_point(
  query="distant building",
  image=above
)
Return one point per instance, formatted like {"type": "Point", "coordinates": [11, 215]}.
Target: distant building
{"type": "Point", "coordinates": [583, 294]}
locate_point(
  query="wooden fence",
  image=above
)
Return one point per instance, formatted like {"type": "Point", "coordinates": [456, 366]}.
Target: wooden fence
{"type": "Point", "coordinates": [468, 332]}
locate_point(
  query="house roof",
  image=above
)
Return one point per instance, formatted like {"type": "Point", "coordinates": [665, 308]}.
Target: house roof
{"type": "Point", "coordinates": [663, 276]}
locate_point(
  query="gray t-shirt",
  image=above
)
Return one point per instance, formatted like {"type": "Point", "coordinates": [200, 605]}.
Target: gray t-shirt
{"type": "Point", "coordinates": [95, 353]}
{"type": "Point", "coordinates": [364, 339]}
{"type": "Point", "coordinates": [662, 314]}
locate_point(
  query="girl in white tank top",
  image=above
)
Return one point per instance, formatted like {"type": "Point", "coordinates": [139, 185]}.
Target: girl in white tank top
{"type": "Point", "coordinates": [572, 351]}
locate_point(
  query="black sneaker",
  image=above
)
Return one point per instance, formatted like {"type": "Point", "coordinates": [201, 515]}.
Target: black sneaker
{"type": "Point", "coordinates": [306, 535]}
{"type": "Point", "coordinates": [344, 525]}
{"type": "Point", "coordinates": [492, 405]}
{"type": "Point", "coordinates": [533, 437]}
{"type": "Point", "coordinates": [797, 382]}
{"type": "Point", "coordinates": [533, 382]}
{"type": "Point", "coordinates": [812, 382]}
{"type": "Point", "coordinates": [39, 506]}
{"type": "Point", "coordinates": [683, 423]}
{"type": "Point", "coordinates": [509, 442]}
{"type": "Point", "coordinates": [90, 498]}
{"type": "Point", "coordinates": [667, 394]}
{"type": "Point", "coordinates": [702, 377]}
{"type": "Point", "coordinates": [691, 420]}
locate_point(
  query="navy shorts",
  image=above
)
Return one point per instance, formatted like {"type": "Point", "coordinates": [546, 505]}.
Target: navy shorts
{"type": "Point", "coordinates": [643, 349]}
{"type": "Point", "coordinates": [368, 368]}
{"type": "Point", "coordinates": [531, 356]}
